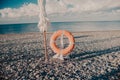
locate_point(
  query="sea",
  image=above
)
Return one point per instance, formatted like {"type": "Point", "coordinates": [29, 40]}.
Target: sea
{"type": "Point", "coordinates": [70, 26]}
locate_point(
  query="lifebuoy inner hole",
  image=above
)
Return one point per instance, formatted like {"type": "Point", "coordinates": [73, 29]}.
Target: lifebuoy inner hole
{"type": "Point", "coordinates": [65, 42]}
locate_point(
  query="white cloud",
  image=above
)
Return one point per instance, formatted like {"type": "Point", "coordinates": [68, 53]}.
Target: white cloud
{"type": "Point", "coordinates": [27, 10]}
{"type": "Point", "coordinates": [68, 10]}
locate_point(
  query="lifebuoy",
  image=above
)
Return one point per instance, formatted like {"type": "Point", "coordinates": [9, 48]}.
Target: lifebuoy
{"type": "Point", "coordinates": [67, 49]}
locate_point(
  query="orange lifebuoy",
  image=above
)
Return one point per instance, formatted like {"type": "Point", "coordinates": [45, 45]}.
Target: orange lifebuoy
{"type": "Point", "coordinates": [67, 49]}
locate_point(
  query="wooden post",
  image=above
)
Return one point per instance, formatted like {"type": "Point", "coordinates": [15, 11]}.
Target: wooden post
{"type": "Point", "coordinates": [45, 46]}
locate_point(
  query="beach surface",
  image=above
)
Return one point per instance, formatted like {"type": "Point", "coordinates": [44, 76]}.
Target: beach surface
{"type": "Point", "coordinates": [96, 56]}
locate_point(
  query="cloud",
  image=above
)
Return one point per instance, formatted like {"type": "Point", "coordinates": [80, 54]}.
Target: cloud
{"type": "Point", "coordinates": [68, 10]}
{"type": "Point", "coordinates": [27, 10]}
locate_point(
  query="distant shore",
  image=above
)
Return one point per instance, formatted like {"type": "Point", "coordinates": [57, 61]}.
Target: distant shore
{"type": "Point", "coordinates": [96, 56]}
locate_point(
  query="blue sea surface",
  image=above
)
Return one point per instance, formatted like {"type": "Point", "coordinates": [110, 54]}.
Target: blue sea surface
{"type": "Point", "coordinates": [70, 26]}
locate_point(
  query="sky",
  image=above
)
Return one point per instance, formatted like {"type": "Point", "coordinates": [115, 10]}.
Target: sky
{"type": "Point", "coordinates": [27, 11]}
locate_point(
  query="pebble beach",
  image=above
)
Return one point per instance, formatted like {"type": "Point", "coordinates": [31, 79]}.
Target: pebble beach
{"type": "Point", "coordinates": [96, 56]}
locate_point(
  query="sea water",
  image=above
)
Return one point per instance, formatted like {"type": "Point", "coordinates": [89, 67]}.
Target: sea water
{"type": "Point", "coordinates": [70, 26]}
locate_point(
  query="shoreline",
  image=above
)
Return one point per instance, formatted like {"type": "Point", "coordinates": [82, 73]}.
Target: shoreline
{"type": "Point", "coordinates": [54, 31]}
{"type": "Point", "coordinates": [67, 30]}
{"type": "Point", "coordinates": [96, 56]}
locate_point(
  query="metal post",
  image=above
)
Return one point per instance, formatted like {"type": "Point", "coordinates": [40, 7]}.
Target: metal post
{"type": "Point", "coordinates": [45, 46]}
